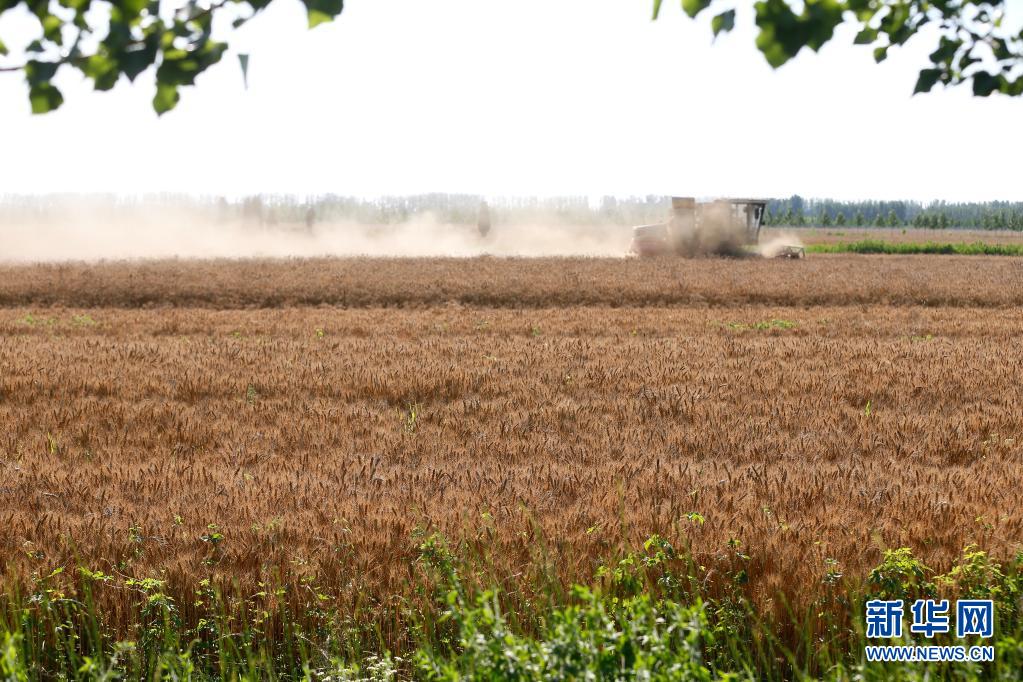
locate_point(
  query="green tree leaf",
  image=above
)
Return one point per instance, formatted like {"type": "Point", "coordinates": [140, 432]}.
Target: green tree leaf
{"type": "Point", "coordinates": [39, 73]}
{"type": "Point", "coordinates": [133, 62]}
{"type": "Point", "coordinates": [102, 70]}
{"type": "Point", "coordinates": [243, 61]}
{"type": "Point", "coordinates": [132, 8]}
{"type": "Point", "coordinates": [51, 28]}
{"type": "Point", "coordinates": [774, 52]}
{"type": "Point", "coordinates": [927, 79]}
{"type": "Point", "coordinates": [723, 22]}
{"type": "Point", "coordinates": [866, 36]}
{"type": "Point", "coordinates": [322, 11]}
{"type": "Point", "coordinates": [694, 7]}
{"type": "Point", "coordinates": [166, 98]}
{"type": "Point", "coordinates": [985, 83]}
{"type": "Point", "coordinates": [947, 48]}
{"type": "Point", "coordinates": [781, 36]}
{"type": "Point", "coordinates": [44, 97]}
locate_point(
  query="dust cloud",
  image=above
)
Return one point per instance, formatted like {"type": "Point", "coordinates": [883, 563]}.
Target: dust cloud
{"type": "Point", "coordinates": [774, 246]}
{"type": "Point", "coordinates": [718, 234]}
{"type": "Point", "coordinates": [95, 229]}
{"type": "Point", "coordinates": [160, 234]}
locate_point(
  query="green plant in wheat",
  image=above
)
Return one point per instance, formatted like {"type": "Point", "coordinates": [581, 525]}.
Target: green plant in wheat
{"type": "Point", "coordinates": [900, 576]}
{"type": "Point", "coordinates": [763, 325]}
{"type": "Point", "coordinates": [410, 418]}
{"type": "Point", "coordinates": [215, 539]}
{"type": "Point", "coordinates": [592, 636]}
{"type": "Point", "coordinates": [977, 576]}
{"type": "Point", "coordinates": [31, 320]}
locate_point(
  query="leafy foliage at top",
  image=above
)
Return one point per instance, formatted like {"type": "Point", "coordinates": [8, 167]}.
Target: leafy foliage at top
{"type": "Point", "coordinates": [972, 44]}
{"type": "Point", "coordinates": [106, 41]}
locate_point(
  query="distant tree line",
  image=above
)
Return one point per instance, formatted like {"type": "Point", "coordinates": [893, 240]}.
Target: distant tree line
{"type": "Point", "coordinates": [797, 212]}
{"type": "Point", "coordinates": [272, 209]}
{"type": "Point", "coordinates": [464, 208]}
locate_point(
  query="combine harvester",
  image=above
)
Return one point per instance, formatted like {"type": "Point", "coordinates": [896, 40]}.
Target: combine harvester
{"type": "Point", "coordinates": [725, 227]}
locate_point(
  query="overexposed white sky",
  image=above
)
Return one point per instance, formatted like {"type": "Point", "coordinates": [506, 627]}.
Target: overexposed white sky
{"type": "Point", "coordinates": [519, 98]}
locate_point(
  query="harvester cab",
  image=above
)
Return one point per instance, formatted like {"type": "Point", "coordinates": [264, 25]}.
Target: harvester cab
{"type": "Point", "coordinates": [751, 212]}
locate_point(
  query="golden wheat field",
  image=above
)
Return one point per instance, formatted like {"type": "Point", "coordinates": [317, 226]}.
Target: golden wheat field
{"type": "Point", "coordinates": [302, 420]}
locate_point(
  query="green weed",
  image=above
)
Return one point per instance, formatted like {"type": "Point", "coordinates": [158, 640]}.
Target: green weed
{"type": "Point", "coordinates": [764, 325]}
{"type": "Point", "coordinates": [900, 576]}
{"type": "Point", "coordinates": [411, 418]}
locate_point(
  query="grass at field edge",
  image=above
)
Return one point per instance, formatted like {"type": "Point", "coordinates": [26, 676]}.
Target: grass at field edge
{"type": "Point", "coordinates": [876, 246]}
{"type": "Point", "coordinates": [647, 614]}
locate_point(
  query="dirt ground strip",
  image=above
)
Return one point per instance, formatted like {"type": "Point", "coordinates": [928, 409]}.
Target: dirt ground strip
{"type": "Point", "coordinates": [835, 280]}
